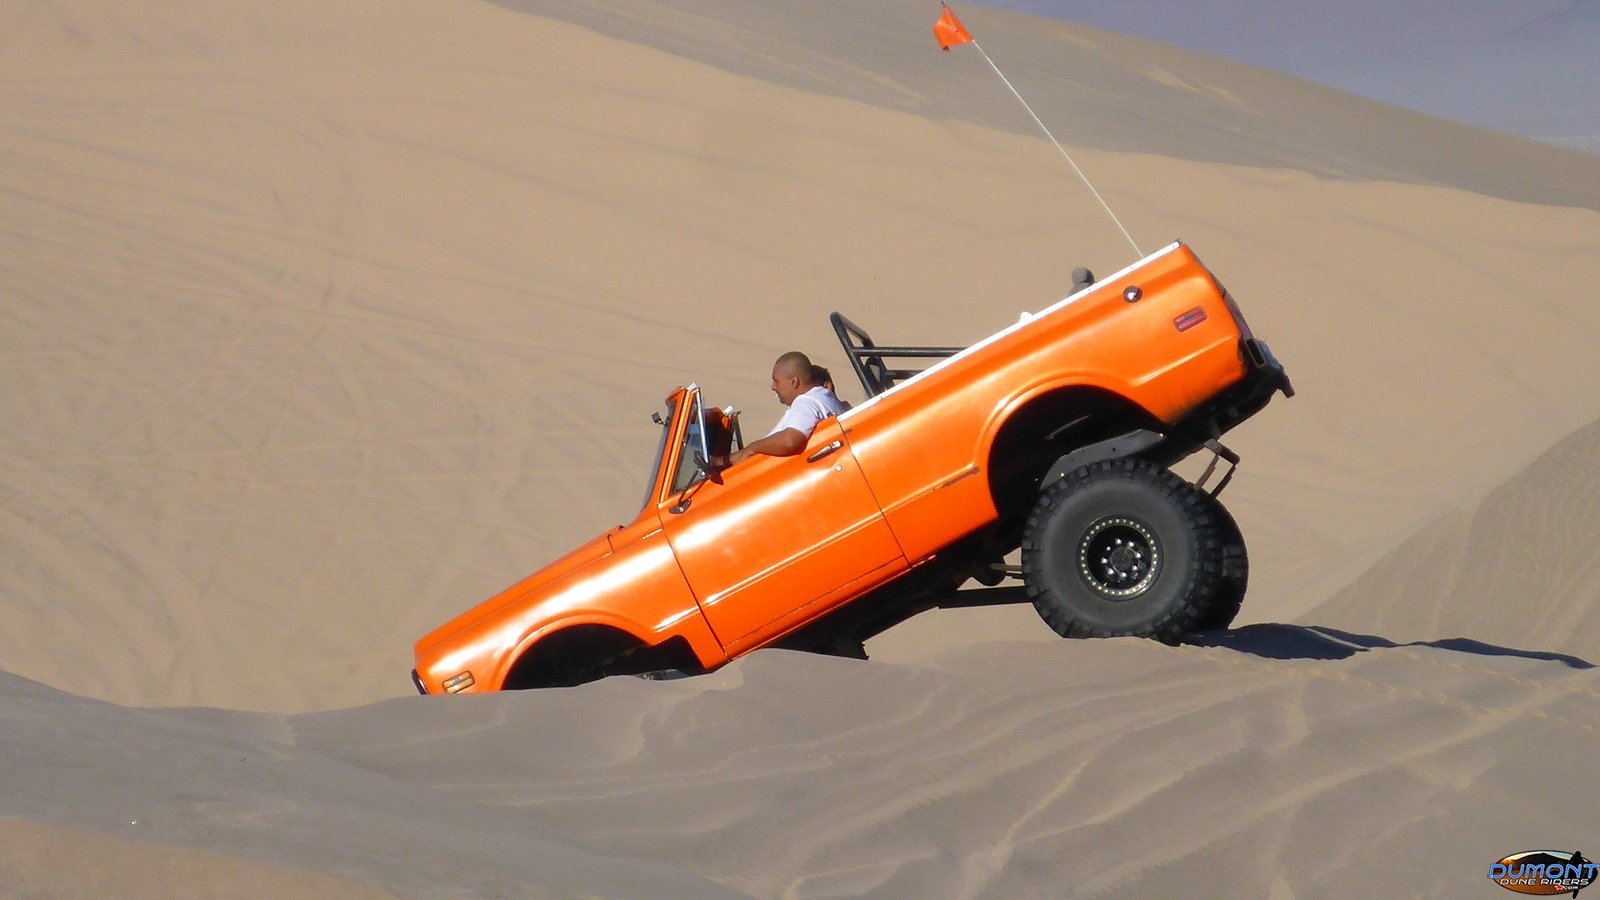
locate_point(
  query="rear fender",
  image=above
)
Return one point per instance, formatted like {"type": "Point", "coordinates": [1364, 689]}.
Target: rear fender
{"type": "Point", "coordinates": [1040, 427]}
{"type": "Point", "coordinates": [1103, 388]}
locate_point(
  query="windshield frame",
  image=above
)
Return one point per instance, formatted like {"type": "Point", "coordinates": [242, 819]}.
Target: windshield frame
{"type": "Point", "coordinates": [654, 479]}
{"type": "Point", "coordinates": [684, 471]}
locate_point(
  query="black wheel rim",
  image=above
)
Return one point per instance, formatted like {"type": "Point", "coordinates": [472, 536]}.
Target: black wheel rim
{"type": "Point", "coordinates": [1119, 557]}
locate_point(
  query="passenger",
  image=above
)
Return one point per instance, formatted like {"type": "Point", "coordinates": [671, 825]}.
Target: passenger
{"type": "Point", "coordinates": [794, 380]}
{"type": "Point", "coordinates": [822, 376]}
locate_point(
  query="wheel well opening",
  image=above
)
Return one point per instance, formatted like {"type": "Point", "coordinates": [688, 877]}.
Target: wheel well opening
{"type": "Point", "coordinates": [570, 656]}
{"type": "Point", "coordinates": [583, 653]}
{"type": "Point", "coordinates": [1049, 425]}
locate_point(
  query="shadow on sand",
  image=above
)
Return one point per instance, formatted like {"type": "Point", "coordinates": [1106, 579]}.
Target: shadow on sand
{"type": "Point", "coordinates": [1276, 641]}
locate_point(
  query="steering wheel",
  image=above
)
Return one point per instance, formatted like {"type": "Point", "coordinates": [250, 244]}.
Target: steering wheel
{"type": "Point", "coordinates": [712, 473]}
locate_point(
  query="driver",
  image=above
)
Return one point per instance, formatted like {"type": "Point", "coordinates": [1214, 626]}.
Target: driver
{"type": "Point", "coordinates": [794, 380]}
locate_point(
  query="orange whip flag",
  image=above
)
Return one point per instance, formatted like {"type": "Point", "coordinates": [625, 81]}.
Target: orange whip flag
{"type": "Point", "coordinates": [949, 31]}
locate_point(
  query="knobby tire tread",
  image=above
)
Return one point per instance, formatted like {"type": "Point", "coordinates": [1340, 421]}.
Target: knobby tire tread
{"type": "Point", "coordinates": [1205, 581]}
{"type": "Point", "coordinates": [1235, 573]}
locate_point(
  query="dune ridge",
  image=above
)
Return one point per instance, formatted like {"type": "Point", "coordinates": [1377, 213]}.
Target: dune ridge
{"type": "Point", "coordinates": [1102, 89]}
{"type": "Point", "coordinates": [242, 786]}
{"type": "Point", "coordinates": [1520, 567]}
{"type": "Point", "coordinates": [1111, 766]}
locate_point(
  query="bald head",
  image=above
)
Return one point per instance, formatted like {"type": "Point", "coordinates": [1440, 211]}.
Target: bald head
{"type": "Point", "coordinates": [794, 363]}
{"type": "Point", "coordinates": [791, 376]}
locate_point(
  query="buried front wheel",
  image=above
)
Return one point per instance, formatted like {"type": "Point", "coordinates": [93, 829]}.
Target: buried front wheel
{"type": "Point", "coordinates": [1125, 547]}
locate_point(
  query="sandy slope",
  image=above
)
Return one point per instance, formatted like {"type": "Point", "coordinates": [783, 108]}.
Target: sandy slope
{"type": "Point", "coordinates": [1288, 763]}
{"type": "Point", "coordinates": [1520, 568]}
{"type": "Point", "coordinates": [42, 860]}
{"type": "Point", "coordinates": [310, 359]}
{"type": "Point", "coordinates": [239, 784]}
{"type": "Point", "coordinates": [1526, 68]}
{"type": "Point", "coordinates": [1095, 88]}
{"type": "Point", "coordinates": [323, 322]}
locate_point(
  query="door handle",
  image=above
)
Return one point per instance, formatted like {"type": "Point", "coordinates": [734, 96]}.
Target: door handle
{"type": "Point", "coordinates": [824, 451]}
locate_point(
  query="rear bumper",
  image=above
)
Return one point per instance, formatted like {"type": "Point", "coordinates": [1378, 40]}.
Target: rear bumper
{"type": "Point", "coordinates": [1267, 375]}
{"type": "Point", "coordinates": [1264, 377]}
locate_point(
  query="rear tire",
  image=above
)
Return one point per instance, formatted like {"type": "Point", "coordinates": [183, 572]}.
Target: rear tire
{"type": "Point", "coordinates": [1124, 547]}
{"type": "Point", "coordinates": [1235, 573]}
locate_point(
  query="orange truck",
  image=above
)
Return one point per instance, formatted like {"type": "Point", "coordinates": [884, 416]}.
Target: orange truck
{"type": "Point", "coordinates": [1054, 437]}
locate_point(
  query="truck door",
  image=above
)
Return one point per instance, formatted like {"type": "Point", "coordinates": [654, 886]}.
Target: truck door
{"type": "Point", "coordinates": [781, 540]}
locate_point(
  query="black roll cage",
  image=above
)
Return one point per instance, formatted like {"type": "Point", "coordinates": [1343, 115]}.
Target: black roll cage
{"type": "Point", "coordinates": [868, 359]}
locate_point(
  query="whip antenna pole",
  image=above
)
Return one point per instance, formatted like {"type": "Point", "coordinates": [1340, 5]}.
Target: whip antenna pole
{"type": "Point", "coordinates": [1064, 154]}
{"type": "Point", "coordinates": [949, 32]}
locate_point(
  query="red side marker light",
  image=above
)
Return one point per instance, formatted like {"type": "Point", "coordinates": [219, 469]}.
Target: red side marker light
{"type": "Point", "coordinates": [1190, 319]}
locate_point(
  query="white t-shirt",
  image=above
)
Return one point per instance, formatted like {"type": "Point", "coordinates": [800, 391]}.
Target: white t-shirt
{"type": "Point", "coordinates": [808, 409]}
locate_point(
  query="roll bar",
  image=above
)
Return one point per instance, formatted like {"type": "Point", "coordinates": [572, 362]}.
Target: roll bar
{"type": "Point", "coordinates": [868, 359]}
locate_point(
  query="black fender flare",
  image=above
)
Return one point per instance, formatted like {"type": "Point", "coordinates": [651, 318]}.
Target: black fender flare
{"type": "Point", "coordinates": [1129, 444]}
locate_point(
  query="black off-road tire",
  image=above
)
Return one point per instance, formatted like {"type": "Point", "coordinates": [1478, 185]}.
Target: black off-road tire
{"type": "Point", "coordinates": [1235, 573]}
{"type": "Point", "coordinates": [1124, 547]}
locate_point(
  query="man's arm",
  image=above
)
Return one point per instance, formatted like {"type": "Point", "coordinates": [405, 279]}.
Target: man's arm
{"type": "Point", "coordinates": [786, 442]}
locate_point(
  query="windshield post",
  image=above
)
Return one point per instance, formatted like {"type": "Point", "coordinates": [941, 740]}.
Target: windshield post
{"type": "Point", "coordinates": [694, 444]}
{"type": "Point", "coordinates": [662, 443]}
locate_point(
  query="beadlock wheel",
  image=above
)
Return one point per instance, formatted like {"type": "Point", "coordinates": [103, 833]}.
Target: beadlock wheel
{"type": "Point", "coordinates": [1125, 547]}
{"type": "Point", "coordinates": [1119, 557]}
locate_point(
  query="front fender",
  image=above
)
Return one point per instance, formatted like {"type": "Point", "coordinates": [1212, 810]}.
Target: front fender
{"type": "Point", "coordinates": [509, 660]}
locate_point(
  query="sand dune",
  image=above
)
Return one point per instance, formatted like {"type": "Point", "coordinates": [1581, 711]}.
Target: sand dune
{"type": "Point", "coordinates": [1520, 568]}
{"type": "Point", "coordinates": [240, 785]}
{"type": "Point", "coordinates": [322, 323]}
{"type": "Point", "coordinates": [1286, 760]}
{"type": "Point", "coordinates": [40, 860]}
{"type": "Point", "coordinates": [1525, 67]}
{"type": "Point", "coordinates": [307, 369]}
{"type": "Point", "coordinates": [1098, 89]}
